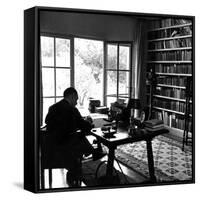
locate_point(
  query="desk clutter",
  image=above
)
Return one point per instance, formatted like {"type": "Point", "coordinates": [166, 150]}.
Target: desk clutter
{"type": "Point", "coordinates": [101, 110]}
{"type": "Point", "coordinates": [99, 120]}
{"type": "Point", "coordinates": [102, 115]}
{"type": "Point", "coordinates": [115, 108]}
{"type": "Point", "coordinates": [93, 103]}
{"type": "Point", "coordinates": [119, 113]}
{"type": "Point", "coordinates": [95, 107]}
{"type": "Point", "coordinates": [108, 131]}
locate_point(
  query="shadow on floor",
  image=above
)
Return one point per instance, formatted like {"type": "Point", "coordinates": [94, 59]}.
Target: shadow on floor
{"type": "Point", "coordinates": [19, 185]}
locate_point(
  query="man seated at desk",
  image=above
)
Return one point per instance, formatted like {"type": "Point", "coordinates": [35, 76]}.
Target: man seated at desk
{"type": "Point", "coordinates": [63, 120]}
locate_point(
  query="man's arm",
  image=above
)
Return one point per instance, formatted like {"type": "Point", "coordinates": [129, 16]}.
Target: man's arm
{"type": "Point", "coordinates": [84, 125]}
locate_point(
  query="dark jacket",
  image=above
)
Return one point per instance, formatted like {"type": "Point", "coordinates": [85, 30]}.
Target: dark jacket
{"type": "Point", "coordinates": [63, 120]}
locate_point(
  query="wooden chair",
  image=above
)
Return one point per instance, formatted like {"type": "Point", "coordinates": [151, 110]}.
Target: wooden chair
{"type": "Point", "coordinates": [49, 159]}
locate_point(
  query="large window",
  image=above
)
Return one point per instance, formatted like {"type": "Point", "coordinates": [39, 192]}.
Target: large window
{"type": "Point", "coordinates": [80, 62]}
{"type": "Point", "coordinates": [117, 72]}
{"type": "Point", "coordinates": [56, 68]}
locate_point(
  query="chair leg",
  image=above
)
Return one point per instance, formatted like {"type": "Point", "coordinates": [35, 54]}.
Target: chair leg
{"type": "Point", "coordinates": [42, 178]}
{"type": "Point", "coordinates": [50, 178]}
{"type": "Point", "coordinates": [80, 176]}
{"type": "Point", "coordinates": [81, 171]}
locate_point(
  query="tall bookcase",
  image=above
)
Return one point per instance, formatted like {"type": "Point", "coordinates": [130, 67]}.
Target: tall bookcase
{"type": "Point", "coordinates": [170, 63]}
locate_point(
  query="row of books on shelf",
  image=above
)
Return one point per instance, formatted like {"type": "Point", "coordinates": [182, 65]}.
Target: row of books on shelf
{"type": "Point", "coordinates": [173, 68]}
{"type": "Point", "coordinates": [172, 120]}
{"type": "Point", "coordinates": [171, 105]}
{"type": "Point", "coordinates": [175, 81]}
{"type": "Point", "coordinates": [183, 55]}
{"type": "Point", "coordinates": [166, 44]}
{"type": "Point", "coordinates": [169, 22]}
{"type": "Point", "coordinates": [169, 33]}
{"type": "Point", "coordinates": [171, 92]}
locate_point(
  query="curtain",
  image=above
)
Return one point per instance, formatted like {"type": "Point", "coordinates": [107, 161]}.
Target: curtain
{"type": "Point", "coordinates": [41, 98]}
{"type": "Point", "coordinates": [139, 63]}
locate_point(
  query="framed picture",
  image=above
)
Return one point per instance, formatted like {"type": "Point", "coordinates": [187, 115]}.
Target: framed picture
{"type": "Point", "coordinates": [108, 99]}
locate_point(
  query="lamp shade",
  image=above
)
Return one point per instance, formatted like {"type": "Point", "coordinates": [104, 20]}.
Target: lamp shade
{"type": "Point", "coordinates": [134, 103]}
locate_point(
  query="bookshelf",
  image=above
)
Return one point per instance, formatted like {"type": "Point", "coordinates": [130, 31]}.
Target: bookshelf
{"type": "Point", "coordinates": [170, 63]}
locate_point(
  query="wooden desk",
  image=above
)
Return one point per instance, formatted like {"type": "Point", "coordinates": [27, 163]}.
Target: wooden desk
{"type": "Point", "coordinates": [122, 137]}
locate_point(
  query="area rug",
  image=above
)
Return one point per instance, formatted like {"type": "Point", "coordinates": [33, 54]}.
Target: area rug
{"type": "Point", "coordinates": [170, 162]}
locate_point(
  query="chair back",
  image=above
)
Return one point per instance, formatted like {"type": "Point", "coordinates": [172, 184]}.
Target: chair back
{"type": "Point", "coordinates": [52, 155]}
{"type": "Point", "coordinates": [46, 149]}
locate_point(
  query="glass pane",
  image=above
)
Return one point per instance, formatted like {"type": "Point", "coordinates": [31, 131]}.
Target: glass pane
{"type": "Point", "coordinates": [62, 80]}
{"type": "Point", "coordinates": [47, 102]}
{"type": "Point", "coordinates": [123, 83]}
{"type": "Point", "coordinates": [62, 52]}
{"type": "Point", "coordinates": [110, 100]}
{"type": "Point", "coordinates": [88, 70]}
{"type": "Point", "coordinates": [48, 82]}
{"type": "Point", "coordinates": [58, 99]}
{"type": "Point", "coordinates": [111, 57]}
{"type": "Point", "coordinates": [47, 51]}
{"type": "Point", "coordinates": [111, 82]}
{"type": "Point", "coordinates": [124, 53]}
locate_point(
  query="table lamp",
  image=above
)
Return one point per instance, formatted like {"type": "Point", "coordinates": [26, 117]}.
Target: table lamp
{"type": "Point", "coordinates": [133, 104]}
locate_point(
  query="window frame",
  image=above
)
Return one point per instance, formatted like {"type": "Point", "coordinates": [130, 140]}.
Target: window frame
{"type": "Point", "coordinates": [54, 67]}
{"type": "Point", "coordinates": [118, 70]}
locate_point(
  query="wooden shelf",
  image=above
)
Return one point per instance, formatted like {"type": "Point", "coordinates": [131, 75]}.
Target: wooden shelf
{"type": "Point", "coordinates": [171, 61]}
{"type": "Point", "coordinates": [168, 110]}
{"type": "Point", "coordinates": [170, 38]}
{"type": "Point", "coordinates": [169, 98]}
{"type": "Point", "coordinates": [172, 74]}
{"type": "Point", "coordinates": [171, 86]}
{"type": "Point", "coordinates": [170, 27]}
{"type": "Point", "coordinates": [171, 49]}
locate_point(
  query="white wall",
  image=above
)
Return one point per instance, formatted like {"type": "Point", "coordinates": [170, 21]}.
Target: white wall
{"type": "Point", "coordinates": [11, 87]}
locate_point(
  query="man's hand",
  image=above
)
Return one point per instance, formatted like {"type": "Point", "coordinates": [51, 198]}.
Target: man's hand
{"type": "Point", "coordinates": [89, 119]}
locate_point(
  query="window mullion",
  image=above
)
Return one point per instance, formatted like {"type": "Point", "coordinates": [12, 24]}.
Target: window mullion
{"type": "Point", "coordinates": [72, 62]}
{"type": "Point", "coordinates": [105, 74]}
{"type": "Point", "coordinates": [117, 71]}
{"type": "Point", "coordinates": [130, 73]}
{"type": "Point", "coordinates": [54, 69]}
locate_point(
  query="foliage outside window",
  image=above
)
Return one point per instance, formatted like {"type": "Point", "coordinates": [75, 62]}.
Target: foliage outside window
{"type": "Point", "coordinates": [88, 70]}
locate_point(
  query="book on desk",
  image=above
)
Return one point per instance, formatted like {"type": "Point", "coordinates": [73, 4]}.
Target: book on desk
{"type": "Point", "coordinates": [153, 125]}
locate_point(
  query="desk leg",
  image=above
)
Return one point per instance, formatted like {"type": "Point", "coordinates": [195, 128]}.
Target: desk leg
{"type": "Point", "coordinates": [111, 156]}
{"type": "Point", "coordinates": [150, 161]}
